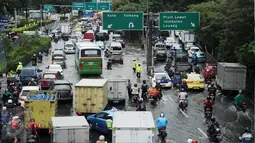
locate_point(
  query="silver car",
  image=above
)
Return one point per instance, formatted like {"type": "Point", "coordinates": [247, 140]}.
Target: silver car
{"type": "Point", "coordinates": [100, 44]}
{"type": "Point", "coordinates": [69, 47]}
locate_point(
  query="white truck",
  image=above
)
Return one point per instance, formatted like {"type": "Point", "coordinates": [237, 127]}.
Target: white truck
{"type": "Point", "coordinates": [71, 129]}
{"type": "Point", "coordinates": [231, 76]}
{"type": "Point", "coordinates": [117, 88]}
{"type": "Point", "coordinates": [187, 37]}
{"type": "Point", "coordinates": [139, 128]}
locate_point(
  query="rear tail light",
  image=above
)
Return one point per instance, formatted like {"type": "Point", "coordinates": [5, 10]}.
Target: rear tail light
{"type": "Point", "coordinates": [244, 103]}
{"type": "Point", "coordinates": [79, 113]}
{"type": "Point", "coordinates": [201, 81]}
{"type": "Point", "coordinates": [71, 92]}
{"type": "Point", "coordinates": [81, 66]}
{"type": "Point", "coordinates": [121, 59]}
{"type": "Point", "coordinates": [21, 99]}
{"type": "Point", "coordinates": [101, 66]}
{"type": "Point", "coordinates": [218, 134]}
{"type": "Point", "coordinates": [112, 58]}
{"type": "Point", "coordinates": [124, 43]}
{"type": "Point", "coordinates": [189, 81]}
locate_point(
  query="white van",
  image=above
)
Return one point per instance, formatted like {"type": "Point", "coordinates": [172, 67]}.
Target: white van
{"type": "Point", "coordinates": [133, 127]}
{"type": "Point", "coordinates": [117, 88]}
{"type": "Point", "coordinates": [69, 47]}
{"type": "Point", "coordinates": [116, 48]}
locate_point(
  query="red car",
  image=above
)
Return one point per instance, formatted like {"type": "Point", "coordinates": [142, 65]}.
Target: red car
{"type": "Point", "coordinates": [209, 70]}
{"type": "Point", "coordinates": [47, 79]}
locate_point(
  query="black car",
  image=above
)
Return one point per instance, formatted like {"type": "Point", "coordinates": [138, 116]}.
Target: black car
{"type": "Point", "coordinates": [183, 67]}
{"type": "Point", "coordinates": [65, 36]}
{"type": "Point", "coordinates": [63, 89]}
{"type": "Point", "coordinates": [181, 55]}
{"type": "Point", "coordinates": [100, 36]}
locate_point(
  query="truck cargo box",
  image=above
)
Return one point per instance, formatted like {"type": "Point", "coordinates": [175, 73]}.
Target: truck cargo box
{"type": "Point", "coordinates": [231, 76]}
{"type": "Point", "coordinates": [117, 88]}
{"type": "Point", "coordinates": [91, 95]}
{"type": "Point", "coordinates": [40, 105]}
{"type": "Point", "coordinates": [139, 128]}
{"type": "Point", "coordinates": [71, 129]}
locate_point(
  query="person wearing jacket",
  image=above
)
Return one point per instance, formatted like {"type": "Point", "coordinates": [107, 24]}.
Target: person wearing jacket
{"type": "Point", "coordinates": [4, 115]}
{"type": "Point", "coordinates": [35, 125]}
{"type": "Point", "coordinates": [240, 98]}
{"type": "Point", "coordinates": [247, 136]}
{"type": "Point", "coordinates": [138, 71]}
{"type": "Point", "coordinates": [19, 68]}
{"type": "Point", "coordinates": [134, 65]}
{"type": "Point", "coordinates": [129, 86]}
{"type": "Point", "coordinates": [161, 122]}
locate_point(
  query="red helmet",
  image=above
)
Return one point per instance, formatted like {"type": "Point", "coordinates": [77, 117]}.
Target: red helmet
{"type": "Point", "coordinates": [194, 141]}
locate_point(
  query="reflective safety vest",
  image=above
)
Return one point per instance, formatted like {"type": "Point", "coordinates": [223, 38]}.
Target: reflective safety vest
{"type": "Point", "coordinates": [139, 69]}
{"type": "Point", "coordinates": [19, 67]}
{"type": "Point", "coordinates": [134, 64]}
{"type": "Point", "coordinates": [109, 123]}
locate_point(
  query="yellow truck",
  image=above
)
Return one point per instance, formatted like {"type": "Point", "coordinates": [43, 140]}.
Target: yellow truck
{"type": "Point", "coordinates": [91, 96]}
{"type": "Point", "coordinates": [41, 105]}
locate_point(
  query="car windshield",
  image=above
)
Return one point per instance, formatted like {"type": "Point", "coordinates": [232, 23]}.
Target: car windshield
{"type": "Point", "coordinates": [62, 87]}
{"type": "Point", "coordinates": [194, 78]}
{"type": "Point", "coordinates": [55, 67]}
{"type": "Point", "coordinates": [194, 50]}
{"type": "Point", "coordinates": [182, 68]}
{"type": "Point", "coordinates": [69, 45]}
{"type": "Point", "coordinates": [59, 60]}
{"type": "Point", "coordinates": [27, 72]}
{"type": "Point", "coordinates": [116, 48]}
{"type": "Point", "coordinates": [160, 76]}
{"type": "Point", "coordinates": [25, 92]}
{"type": "Point", "coordinates": [90, 53]}
{"type": "Point", "coordinates": [51, 76]}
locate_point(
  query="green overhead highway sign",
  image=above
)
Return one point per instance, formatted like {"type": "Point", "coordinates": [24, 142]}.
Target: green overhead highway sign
{"type": "Point", "coordinates": [48, 7]}
{"type": "Point", "coordinates": [179, 20]}
{"type": "Point", "coordinates": [90, 6]}
{"type": "Point", "coordinates": [78, 6]}
{"type": "Point", "coordinates": [123, 20]}
{"type": "Point", "coordinates": [103, 6]}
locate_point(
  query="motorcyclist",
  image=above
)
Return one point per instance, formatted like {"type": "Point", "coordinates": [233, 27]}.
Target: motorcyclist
{"type": "Point", "coordinates": [15, 123]}
{"type": "Point", "coordinates": [208, 103]}
{"type": "Point", "coordinates": [6, 96]}
{"type": "Point", "coordinates": [213, 125]}
{"type": "Point", "coordinates": [141, 105]}
{"type": "Point", "coordinates": [161, 122]}
{"type": "Point", "coordinates": [182, 96]}
{"type": "Point", "coordinates": [40, 56]}
{"type": "Point", "coordinates": [107, 53]}
{"type": "Point", "coordinates": [192, 141]}
{"type": "Point", "coordinates": [212, 89]}
{"type": "Point", "coordinates": [240, 98]}
{"type": "Point", "coordinates": [34, 59]}
{"type": "Point", "coordinates": [134, 65]}
{"type": "Point", "coordinates": [144, 88]}
{"type": "Point", "coordinates": [184, 85]}
{"type": "Point", "coordinates": [101, 139]}
{"type": "Point", "coordinates": [9, 104]}
{"type": "Point", "coordinates": [153, 93]}
{"type": "Point", "coordinates": [109, 64]}
{"type": "Point", "coordinates": [32, 82]}
{"type": "Point", "coordinates": [33, 127]}
{"type": "Point", "coordinates": [135, 91]}
{"type": "Point", "coordinates": [4, 115]}
{"type": "Point", "coordinates": [159, 88]}
{"type": "Point", "coordinates": [247, 136]}
{"type": "Point", "coordinates": [19, 68]}
{"type": "Point", "coordinates": [197, 69]}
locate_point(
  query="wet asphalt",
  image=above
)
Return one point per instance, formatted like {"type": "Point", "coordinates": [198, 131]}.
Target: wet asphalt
{"type": "Point", "coordinates": [182, 124]}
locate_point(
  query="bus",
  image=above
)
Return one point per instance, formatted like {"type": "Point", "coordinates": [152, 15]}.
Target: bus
{"type": "Point", "coordinates": [88, 58]}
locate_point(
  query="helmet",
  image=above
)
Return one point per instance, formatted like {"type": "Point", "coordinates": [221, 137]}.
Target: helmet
{"type": "Point", "coordinates": [32, 120]}
{"type": "Point", "coordinates": [20, 63]}
{"type": "Point", "coordinates": [240, 91]}
{"type": "Point", "coordinates": [247, 129]}
{"type": "Point", "coordinates": [213, 119]}
{"type": "Point", "coordinates": [9, 101]}
{"type": "Point", "coordinates": [182, 90]}
{"type": "Point", "coordinates": [144, 81]}
{"type": "Point", "coordinates": [40, 53]}
{"type": "Point", "coordinates": [101, 138]}
{"type": "Point", "coordinates": [134, 59]}
{"type": "Point", "coordinates": [15, 117]}
{"type": "Point", "coordinates": [162, 114]}
{"type": "Point", "coordinates": [208, 98]}
{"type": "Point", "coordinates": [135, 85]}
{"type": "Point", "coordinates": [32, 79]}
{"type": "Point", "coordinates": [109, 115]}
{"type": "Point", "coordinates": [141, 99]}
{"type": "Point", "coordinates": [4, 108]}
{"type": "Point", "coordinates": [194, 141]}
{"type": "Point", "coordinates": [158, 81]}
{"type": "Point", "coordinates": [189, 140]}
{"type": "Point", "coordinates": [34, 54]}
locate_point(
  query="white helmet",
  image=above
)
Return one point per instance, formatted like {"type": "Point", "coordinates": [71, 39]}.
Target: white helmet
{"type": "Point", "coordinates": [20, 63]}
{"type": "Point", "coordinates": [4, 108]}
{"type": "Point", "coordinates": [189, 140]}
{"type": "Point", "coordinates": [101, 138]}
{"type": "Point", "coordinates": [15, 117]}
{"type": "Point", "coordinates": [162, 114]}
{"type": "Point", "coordinates": [40, 53]}
{"type": "Point", "coordinates": [141, 99]}
{"type": "Point", "coordinates": [9, 101]}
{"type": "Point", "coordinates": [133, 59]}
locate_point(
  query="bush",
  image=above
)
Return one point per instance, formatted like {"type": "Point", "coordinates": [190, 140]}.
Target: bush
{"type": "Point", "coordinates": [3, 67]}
{"type": "Point", "coordinates": [28, 46]}
{"type": "Point", "coordinates": [29, 27]}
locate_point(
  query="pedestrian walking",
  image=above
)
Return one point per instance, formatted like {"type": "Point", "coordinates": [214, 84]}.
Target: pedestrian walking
{"type": "Point", "coordinates": [138, 71]}
{"type": "Point", "coordinates": [134, 65]}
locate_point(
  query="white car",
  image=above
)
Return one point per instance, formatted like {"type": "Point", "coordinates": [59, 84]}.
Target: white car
{"type": "Point", "coordinates": [163, 77]}
{"type": "Point", "coordinates": [192, 50]}
{"type": "Point", "coordinates": [100, 44]}
{"type": "Point", "coordinates": [169, 42]}
{"type": "Point", "coordinates": [117, 38]}
{"type": "Point", "coordinates": [25, 91]}
{"type": "Point", "coordinates": [69, 47]}
{"type": "Point", "coordinates": [55, 68]}
{"type": "Point", "coordinates": [176, 46]}
{"type": "Point", "coordinates": [188, 45]}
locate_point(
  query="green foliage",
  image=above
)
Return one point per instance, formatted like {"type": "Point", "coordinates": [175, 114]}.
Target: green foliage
{"type": "Point", "coordinates": [3, 67]}
{"type": "Point", "coordinates": [227, 27]}
{"type": "Point", "coordinates": [29, 27]}
{"type": "Point", "coordinates": [28, 46]}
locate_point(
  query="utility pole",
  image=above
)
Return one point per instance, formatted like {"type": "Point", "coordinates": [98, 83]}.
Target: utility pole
{"type": "Point", "coordinates": [149, 44]}
{"type": "Point", "coordinates": [41, 10]}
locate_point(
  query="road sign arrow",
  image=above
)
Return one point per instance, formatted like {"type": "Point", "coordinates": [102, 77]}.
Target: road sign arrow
{"type": "Point", "coordinates": [131, 25]}
{"type": "Point", "coordinates": [109, 25]}
{"type": "Point", "coordinates": [91, 8]}
{"type": "Point", "coordinates": [103, 8]}
{"type": "Point", "coordinates": [192, 24]}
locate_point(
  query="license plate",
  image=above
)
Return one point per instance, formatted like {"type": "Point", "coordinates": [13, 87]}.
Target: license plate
{"type": "Point", "coordinates": [115, 101]}
{"type": "Point", "coordinates": [163, 85]}
{"type": "Point", "coordinates": [196, 87]}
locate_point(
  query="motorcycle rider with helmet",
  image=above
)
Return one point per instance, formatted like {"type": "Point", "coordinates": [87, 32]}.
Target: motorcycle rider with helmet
{"type": "Point", "coordinates": [239, 99]}
{"type": "Point", "coordinates": [34, 60]}
{"type": "Point", "coordinates": [212, 89]}
{"type": "Point", "coordinates": [33, 128]}
{"type": "Point", "coordinates": [182, 96]}
{"type": "Point", "coordinates": [161, 122]}
{"type": "Point", "coordinates": [144, 88]}
{"type": "Point", "coordinates": [159, 88]}
{"type": "Point", "coordinates": [208, 103]}
{"type": "Point", "coordinates": [141, 105]}
{"type": "Point", "coordinates": [40, 57]}
{"type": "Point", "coordinates": [184, 85]}
{"type": "Point", "coordinates": [247, 136]}
{"type": "Point", "coordinates": [213, 126]}
{"type": "Point", "coordinates": [109, 64]}
{"type": "Point", "coordinates": [135, 92]}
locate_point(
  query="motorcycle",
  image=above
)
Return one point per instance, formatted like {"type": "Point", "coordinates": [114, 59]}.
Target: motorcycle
{"type": "Point", "coordinates": [242, 106]}
{"type": "Point", "coordinates": [183, 104]}
{"type": "Point", "coordinates": [39, 59]}
{"type": "Point", "coordinates": [32, 139]}
{"type": "Point", "coordinates": [208, 115]}
{"type": "Point", "coordinates": [34, 63]}
{"type": "Point", "coordinates": [215, 137]}
{"type": "Point", "coordinates": [107, 54]}
{"type": "Point", "coordinates": [208, 81]}
{"type": "Point", "coordinates": [144, 96]}
{"type": "Point", "coordinates": [162, 135]}
{"type": "Point", "coordinates": [109, 65]}
{"type": "Point", "coordinates": [135, 99]}
{"type": "Point", "coordinates": [212, 95]}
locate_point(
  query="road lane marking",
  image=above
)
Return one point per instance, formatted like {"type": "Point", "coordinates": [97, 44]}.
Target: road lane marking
{"type": "Point", "coordinates": [171, 98]}
{"type": "Point", "coordinates": [184, 114]}
{"type": "Point", "coordinates": [202, 132]}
